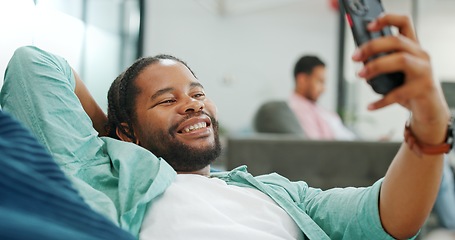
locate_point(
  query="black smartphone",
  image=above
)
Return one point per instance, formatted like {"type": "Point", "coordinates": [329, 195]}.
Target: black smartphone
{"type": "Point", "coordinates": [358, 14]}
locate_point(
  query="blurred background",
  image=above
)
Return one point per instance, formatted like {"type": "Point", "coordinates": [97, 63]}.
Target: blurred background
{"type": "Point", "coordinates": [243, 51]}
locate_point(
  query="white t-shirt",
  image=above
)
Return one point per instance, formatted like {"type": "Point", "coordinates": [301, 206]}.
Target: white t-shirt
{"type": "Point", "coordinates": [198, 207]}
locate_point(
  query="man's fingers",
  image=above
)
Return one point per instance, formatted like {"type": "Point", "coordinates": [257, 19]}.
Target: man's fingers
{"type": "Point", "coordinates": [400, 95]}
{"type": "Point", "coordinates": [393, 63]}
{"type": "Point", "coordinates": [387, 45]}
{"type": "Point", "coordinates": [403, 23]}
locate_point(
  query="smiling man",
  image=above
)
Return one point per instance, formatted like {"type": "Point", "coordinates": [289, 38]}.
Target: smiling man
{"type": "Point", "coordinates": [154, 178]}
{"type": "Point", "coordinates": [167, 113]}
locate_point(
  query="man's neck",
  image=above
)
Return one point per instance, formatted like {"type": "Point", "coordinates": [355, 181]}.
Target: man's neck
{"type": "Point", "coordinates": [204, 171]}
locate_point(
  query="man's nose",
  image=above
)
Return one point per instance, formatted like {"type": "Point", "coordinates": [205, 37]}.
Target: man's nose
{"type": "Point", "coordinates": [192, 105]}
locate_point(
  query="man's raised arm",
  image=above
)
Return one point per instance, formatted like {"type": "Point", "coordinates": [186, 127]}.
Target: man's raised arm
{"type": "Point", "coordinates": [90, 106]}
{"type": "Point", "coordinates": [412, 181]}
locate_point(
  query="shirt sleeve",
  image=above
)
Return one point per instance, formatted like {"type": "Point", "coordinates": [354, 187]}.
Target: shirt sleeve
{"type": "Point", "coordinates": [39, 91]}
{"type": "Point", "coordinates": [347, 213]}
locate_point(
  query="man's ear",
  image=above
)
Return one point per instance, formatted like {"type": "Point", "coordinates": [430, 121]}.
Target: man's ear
{"type": "Point", "coordinates": [301, 80]}
{"type": "Point", "coordinates": [123, 136]}
{"type": "Point", "coordinates": [303, 77]}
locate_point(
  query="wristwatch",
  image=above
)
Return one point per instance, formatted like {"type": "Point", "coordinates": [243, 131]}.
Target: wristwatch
{"type": "Point", "coordinates": [429, 149]}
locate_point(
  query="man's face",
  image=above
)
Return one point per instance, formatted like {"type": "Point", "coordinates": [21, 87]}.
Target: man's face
{"type": "Point", "coordinates": [315, 83]}
{"type": "Point", "coordinates": [174, 118]}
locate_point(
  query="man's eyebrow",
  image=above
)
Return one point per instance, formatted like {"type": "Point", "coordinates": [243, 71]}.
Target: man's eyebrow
{"type": "Point", "coordinates": [196, 84]}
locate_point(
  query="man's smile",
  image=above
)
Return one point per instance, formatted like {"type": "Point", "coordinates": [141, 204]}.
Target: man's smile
{"type": "Point", "coordinates": [200, 126]}
{"type": "Point", "coordinates": [195, 127]}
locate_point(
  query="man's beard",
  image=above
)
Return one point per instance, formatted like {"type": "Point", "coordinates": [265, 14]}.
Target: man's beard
{"type": "Point", "coordinates": [181, 157]}
{"type": "Point", "coordinates": [309, 95]}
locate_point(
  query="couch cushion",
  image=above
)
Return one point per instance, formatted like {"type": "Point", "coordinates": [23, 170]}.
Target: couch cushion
{"type": "Point", "coordinates": [322, 164]}
{"type": "Point", "coordinates": [276, 117]}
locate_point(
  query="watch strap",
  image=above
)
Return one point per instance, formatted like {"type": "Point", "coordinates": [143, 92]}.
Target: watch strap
{"type": "Point", "coordinates": [429, 149]}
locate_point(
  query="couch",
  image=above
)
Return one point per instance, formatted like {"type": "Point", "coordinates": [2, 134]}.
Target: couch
{"type": "Point", "coordinates": [276, 147]}
{"type": "Point", "coordinates": [323, 164]}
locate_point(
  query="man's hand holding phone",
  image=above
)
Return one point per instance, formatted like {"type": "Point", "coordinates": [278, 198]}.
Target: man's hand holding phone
{"type": "Point", "coordinates": [411, 183]}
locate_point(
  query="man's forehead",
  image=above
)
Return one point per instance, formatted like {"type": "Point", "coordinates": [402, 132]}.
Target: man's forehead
{"type": "Point", "coordinates": [168, 62]}
{"type": "Point", "coordinates": [171, 66]}
{"type": "Point", "coordinates": [168, 73]}
{"type": "Point", "coordinates": [166, 68]}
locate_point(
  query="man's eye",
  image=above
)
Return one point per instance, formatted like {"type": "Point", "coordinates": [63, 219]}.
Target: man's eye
{"type": "Point", "coordinates": [167, 101]}
{"type": "Point", "coordinates": [198, 95]}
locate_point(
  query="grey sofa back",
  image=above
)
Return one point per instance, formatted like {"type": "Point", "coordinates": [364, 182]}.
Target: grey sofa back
{"type": "Point", "coordinates": [276, 116]}
{"type": "Point", "coordinates": [322, 164]}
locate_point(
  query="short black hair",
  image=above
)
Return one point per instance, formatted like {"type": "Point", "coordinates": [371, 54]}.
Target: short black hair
{"type": "Point", "coordinates": [123, 93]}
{"type": "Point", "coordinates": [306, 64]}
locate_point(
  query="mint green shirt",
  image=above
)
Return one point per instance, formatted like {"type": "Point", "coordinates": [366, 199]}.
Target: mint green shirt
{"type": "Point", "coordinates": [120, 179]}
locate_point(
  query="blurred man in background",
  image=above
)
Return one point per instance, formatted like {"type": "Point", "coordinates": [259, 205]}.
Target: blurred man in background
{"type": "Point", "coordinates": [316, 122]}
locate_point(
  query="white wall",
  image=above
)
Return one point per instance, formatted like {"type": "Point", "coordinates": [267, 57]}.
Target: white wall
{"type": "Point", "coordinates": [246, 56]}
{"type": "Point", "coordinates": [17, 34]}
{"type": "Point", "coordinates": [23, 24]}
{"type": "Point", "coordinates": [436, 28]}
{"type": "Point", "coordinates": [55, 26]}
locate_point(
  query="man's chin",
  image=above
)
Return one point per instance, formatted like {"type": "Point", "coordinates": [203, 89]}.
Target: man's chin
{"type": "Point", "coordinates": [185, 154]}
{"type": "Point", "coordinates": [184, 158]}
{"type": "Point", "coordinates": [200, 142]}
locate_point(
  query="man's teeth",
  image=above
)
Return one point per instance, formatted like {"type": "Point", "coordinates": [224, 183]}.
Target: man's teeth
{"type": "Point", "coordinates": [195, 127]}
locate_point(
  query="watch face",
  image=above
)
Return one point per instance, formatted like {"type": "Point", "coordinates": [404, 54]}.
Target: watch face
{"type": "Point", "coordinates": [450, 132]}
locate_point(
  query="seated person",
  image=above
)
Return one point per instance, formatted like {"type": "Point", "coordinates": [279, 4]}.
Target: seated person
{"type": "Point", "coordinates": [152, 175]}
{"type": "Point", "coordinates": [317, 122]}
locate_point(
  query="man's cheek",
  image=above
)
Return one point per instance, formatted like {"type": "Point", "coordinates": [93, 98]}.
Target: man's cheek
{"type": "Point", "coordinates": [212, 109]}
